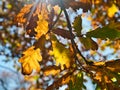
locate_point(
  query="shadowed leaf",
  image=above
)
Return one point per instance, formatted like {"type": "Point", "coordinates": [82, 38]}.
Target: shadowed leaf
{"type": "Point", "coordinates": [85, 5]}
{"type": "Point", "coordinates": [106, 74]}
{"type": "Point", "coordinates": [63, 33]}
{"type": "Point", "coordinates": [111, 31]}
{"type": "Point", "coordinates": [89, 43]}
{"type": "Point", "coordinates": [78, 25]}
{"type": "Point", "coordinates": [77, 82]}
{"type": "Point", "coordinates": [63, 80]}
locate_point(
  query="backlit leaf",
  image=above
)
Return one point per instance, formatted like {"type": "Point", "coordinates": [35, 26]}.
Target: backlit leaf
{"type": "Point", "coordinates": [30, 60]}
{"type": "Point", "coordinates": [39, 25]}
{"type": "Point", "coordinates": [21, 15]}
{"type": "Point", "coordinates": [112, 10]}
{"type": "Point", "coordinates": [42, 26]}
{"type": "Point", "coordinates": [35, 19]}
{"type": "Point", "coordinates": [62, 55]}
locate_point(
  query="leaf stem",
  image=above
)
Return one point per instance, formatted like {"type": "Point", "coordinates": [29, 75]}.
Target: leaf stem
{"type": "Point", "coordinates": [55, 21]}
{"type": "Point", "coordinates": [70, 30]}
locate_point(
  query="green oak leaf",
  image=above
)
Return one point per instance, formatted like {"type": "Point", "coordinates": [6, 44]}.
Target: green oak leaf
{"type": "Point", "coordinates": [110, 31]}
{"type": "Point", "coordinates": [77, 25]}
{"type": "Point", "coordinates": [89, 43]}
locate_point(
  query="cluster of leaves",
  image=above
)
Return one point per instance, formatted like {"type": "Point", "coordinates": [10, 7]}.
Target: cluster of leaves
{"type": "Point", "coordinates": [63, 63]}
{"type": "Point", "coordinates": [12, 43]}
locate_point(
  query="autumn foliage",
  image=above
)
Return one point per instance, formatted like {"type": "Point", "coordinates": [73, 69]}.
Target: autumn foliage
{"type": "Point", "coordinates": [62, 52]}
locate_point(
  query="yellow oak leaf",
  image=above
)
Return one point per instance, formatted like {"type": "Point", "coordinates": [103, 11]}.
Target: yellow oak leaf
{"type": "Point", "coordinates": [42, 26]}
{"type": "Point", "coordinates": [30, 60]}
{"type": "Point", "coordinates": [42, 23]}
{"type": "Point", "coordinates": [112, 10]}
{"type": "Point", "coordinates": [62, 55]}
{"type": "Point", "coordinates": [21, 15]}
{"type": "Point", "coordinates": [35, 20]}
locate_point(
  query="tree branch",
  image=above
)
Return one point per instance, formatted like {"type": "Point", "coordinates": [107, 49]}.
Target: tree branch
{"type": "Point", "coordinates": [75, 48]}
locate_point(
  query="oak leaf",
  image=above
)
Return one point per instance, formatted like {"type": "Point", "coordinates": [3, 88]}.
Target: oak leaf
{"type": "Point", "coordinates": [42, 26]}
{"type": "Point", "coordinates": [89, 43]}
{"type": "Point", "coordinates": [63, 33]}
{"type": "Point", "coordinates": [20, 18]}
{"type": "Point", "coordinates": [110, 31]}
{"type": "Point", "coordinates": [106, 73]}
{"type": "Point", "coordinates": [62, 55]}
{"type": "Point", "coordinates": [30, 60]}
{"type": "Point", "coordinates": [77, 25]}
{"type": "Point", "coordinates": [34, 17]}
{"type": "Point", "coordinates": [112, 10]}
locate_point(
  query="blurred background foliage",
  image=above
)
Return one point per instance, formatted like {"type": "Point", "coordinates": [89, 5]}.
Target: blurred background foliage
{"type": "Point", "coordinates": [13, 41]}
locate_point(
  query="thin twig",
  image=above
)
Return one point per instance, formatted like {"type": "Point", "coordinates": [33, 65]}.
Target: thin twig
{"type": "Point", "coordinates": [70, 29]}
{"type": "Point", "coordinates": [55, 20]}
{"type": "Point", "coordinates": [32, 11]}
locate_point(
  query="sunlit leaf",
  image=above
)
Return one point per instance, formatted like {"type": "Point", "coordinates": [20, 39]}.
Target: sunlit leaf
{"type": "Point", "coordinates": [57, 9]}
{"type": "Point", "coordinates": [9, 6]}
{"type": "Point", "coordinates": [20, 18]}
{"type": "Point", "coordinates": [42, 27]}
{"type": "Point", "coordinates": [30, 60]}
{"type": "Point", "coordinates": [62, 55]}
{"type": "Point", "coordinates": [37, 24]}
{"type": "Point", "coordinates": [112, 10]}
